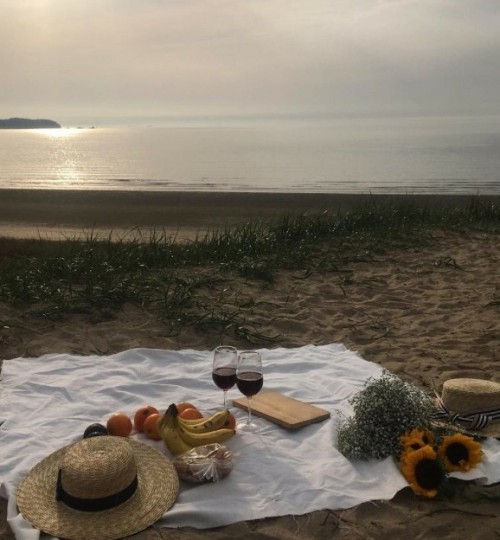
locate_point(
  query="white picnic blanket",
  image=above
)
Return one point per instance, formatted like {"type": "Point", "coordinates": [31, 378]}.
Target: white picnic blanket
{"type": "Point", "coordinates": [47, 402]}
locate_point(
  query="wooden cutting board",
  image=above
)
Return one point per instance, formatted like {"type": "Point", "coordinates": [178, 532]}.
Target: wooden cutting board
{"type": "Point", "coordinates": [285, 411]}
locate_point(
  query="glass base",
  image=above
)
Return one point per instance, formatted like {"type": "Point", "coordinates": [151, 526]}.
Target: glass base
{"type": "Point", "coordinates": [243, 425]}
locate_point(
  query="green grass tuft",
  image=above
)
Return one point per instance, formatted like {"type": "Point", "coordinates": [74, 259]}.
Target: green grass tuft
{"type": "Point", "coordinates": [185, 282]}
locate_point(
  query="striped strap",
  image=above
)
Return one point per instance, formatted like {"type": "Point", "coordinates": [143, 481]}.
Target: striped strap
{"type": "Point", "coordinates": [475, 420]}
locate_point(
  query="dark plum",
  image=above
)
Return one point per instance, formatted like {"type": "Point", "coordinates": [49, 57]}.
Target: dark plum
{"type": "Point", "coordinates": [94, 430]}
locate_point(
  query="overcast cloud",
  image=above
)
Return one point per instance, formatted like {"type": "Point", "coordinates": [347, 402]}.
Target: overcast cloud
{"type": "Point", "coordinates": [90, 58]}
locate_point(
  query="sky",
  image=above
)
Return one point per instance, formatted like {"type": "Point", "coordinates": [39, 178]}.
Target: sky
{"type": "Point", "coordinates": [89, 59]}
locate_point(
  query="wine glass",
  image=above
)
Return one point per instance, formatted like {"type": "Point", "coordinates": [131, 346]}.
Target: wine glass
{"type": "Point", "coordinates": [249, 377]}
{"type": "Point", "coordinates": [224, 368]}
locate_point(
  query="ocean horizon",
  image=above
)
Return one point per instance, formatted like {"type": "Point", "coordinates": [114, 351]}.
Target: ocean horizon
{"type": "Point", "coordinates": [392, 155]}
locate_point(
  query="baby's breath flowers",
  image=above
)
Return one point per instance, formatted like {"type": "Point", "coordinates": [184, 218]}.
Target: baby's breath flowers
{"type": "Point", "coordinates": [460, 452]}
{"type": "Point", "coordinates": [393, 418]}
{"type": "Point", "coordinates": [384, 410]}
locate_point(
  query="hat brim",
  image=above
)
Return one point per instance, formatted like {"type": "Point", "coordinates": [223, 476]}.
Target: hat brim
{"type": "Point", "coordinates": [158, 487]}
{"type": "Point", "coordinates": [493, 430]}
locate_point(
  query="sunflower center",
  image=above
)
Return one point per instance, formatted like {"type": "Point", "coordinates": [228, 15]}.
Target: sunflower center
{"type": "Point", "coordinates": [456, 453]}
{"type": "Point", "coordinates": [428, 473]}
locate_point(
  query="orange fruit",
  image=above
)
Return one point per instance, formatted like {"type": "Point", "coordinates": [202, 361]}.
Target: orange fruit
{"type": "Point", "coordinates": [230, 423]}
{"type": "Point", "coordinates": [119, 424]}
{"type": "Point", "coordinates": [185, 405]}
{"type": "Point", "coordinates": [191, 414]}
{"type": "Point", "coordinates": [151, 427]}
{"type": "Point", "coordinates": [141, 414]}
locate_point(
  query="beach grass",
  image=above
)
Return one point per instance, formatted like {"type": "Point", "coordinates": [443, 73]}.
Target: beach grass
{"type": "Point", "coordinates": [189, 282]}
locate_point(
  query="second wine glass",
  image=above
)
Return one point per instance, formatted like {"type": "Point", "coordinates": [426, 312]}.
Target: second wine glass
{"type": "Point", "coordinates": [249, 377]}
{"type": "Point", "coordinates": [224, 368]}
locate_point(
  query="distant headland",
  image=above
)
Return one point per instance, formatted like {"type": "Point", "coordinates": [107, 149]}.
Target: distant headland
{"type": "Point", "coordinates": [27, 123]}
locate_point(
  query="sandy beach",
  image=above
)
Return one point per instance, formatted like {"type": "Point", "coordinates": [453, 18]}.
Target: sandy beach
{"type": "Point", "coordinates": [427, 313]}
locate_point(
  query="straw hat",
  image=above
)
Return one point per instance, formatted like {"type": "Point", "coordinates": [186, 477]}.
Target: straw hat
{"type": "Point", "coordinates": [472, 404]}
{"type": "Point", "coordinates": [100, 488]}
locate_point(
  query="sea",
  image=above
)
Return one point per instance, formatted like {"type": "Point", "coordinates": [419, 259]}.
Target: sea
{"type": "Point", "coordinates": [392, 155]}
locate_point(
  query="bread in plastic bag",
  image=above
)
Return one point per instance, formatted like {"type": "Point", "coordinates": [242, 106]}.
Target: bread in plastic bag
{"type": "Point", "coordinates": [208, 463]}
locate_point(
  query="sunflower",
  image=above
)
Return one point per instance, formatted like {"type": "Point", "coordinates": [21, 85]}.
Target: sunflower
{"type": "Point", "coordinates": [460, 452]}
{"type": "Point", "coordinates": [416, 439]}
{"type": "Point", "coordinates": [422, 471]}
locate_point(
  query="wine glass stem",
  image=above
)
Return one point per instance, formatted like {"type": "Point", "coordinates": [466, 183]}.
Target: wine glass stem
{"type": "Point", "coordinates": [225, 392]}
{"type": "Point", "coordinates": [249, 419]}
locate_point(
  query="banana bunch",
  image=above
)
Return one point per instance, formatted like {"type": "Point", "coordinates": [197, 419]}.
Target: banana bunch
{"type": "Point", "coordinates": [181, 435]}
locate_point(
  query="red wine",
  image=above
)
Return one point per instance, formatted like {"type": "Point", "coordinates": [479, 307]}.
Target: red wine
{"type": "Point", "coordinates": [249, 383]}
{"type": "Point", "coordinates": [224, 377]}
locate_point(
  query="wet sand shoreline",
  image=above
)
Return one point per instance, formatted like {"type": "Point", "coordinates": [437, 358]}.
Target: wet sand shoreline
{"type": "Point", "coordinates": [57, 213]}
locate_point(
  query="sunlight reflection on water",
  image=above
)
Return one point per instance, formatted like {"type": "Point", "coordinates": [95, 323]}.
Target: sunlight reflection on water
{"type": "Point", "coordinates": [345, 156]}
